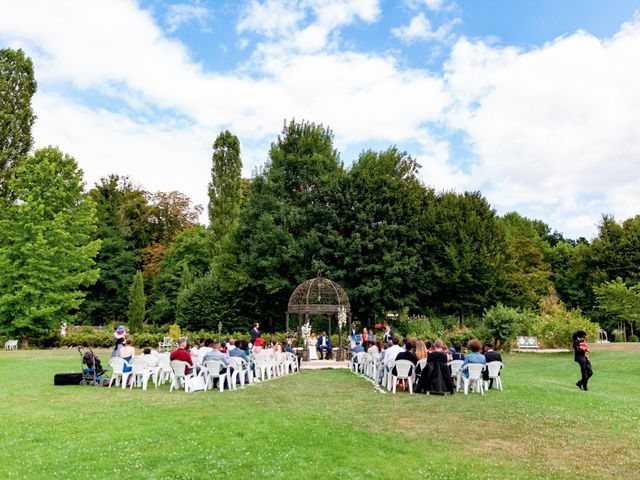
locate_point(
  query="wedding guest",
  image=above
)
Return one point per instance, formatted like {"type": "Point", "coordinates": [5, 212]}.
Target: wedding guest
{"type": "Point", "coordinates": [581, 356]}
{"type": "Point", "coordinates": [257, 346]}
{"type": "Point", "coordinates": [457, 353]}
{"type": "Point", "coordinates": [181, 354]}
{"type": "Point", "coordinates": [490, 355]}
{"type": "Point", "coordinates": [255, 332]}
{"type": "Point", "coordinates": [475, 356]}
{"type": "Point", "coordinates": [421, 350]}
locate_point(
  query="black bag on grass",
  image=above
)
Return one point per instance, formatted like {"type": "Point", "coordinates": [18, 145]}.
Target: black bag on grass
{"type": "Point", "coordinates": [67, 379]}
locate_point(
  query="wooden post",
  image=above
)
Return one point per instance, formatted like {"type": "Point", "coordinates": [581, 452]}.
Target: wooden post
{"type": "Point", "coordinates": [286, 317]}
{"type": "Point", "coordinates": [329, 333]}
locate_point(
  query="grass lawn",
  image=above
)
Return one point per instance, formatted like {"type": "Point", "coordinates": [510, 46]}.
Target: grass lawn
{"type": "Point", "coordinates": [324, 424]}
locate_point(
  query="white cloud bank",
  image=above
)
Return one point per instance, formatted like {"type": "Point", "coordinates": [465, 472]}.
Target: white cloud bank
{"type": "Point", "coordinates": [552, 132]}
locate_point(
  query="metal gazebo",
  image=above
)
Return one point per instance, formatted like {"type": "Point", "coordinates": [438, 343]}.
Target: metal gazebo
{"type": "Point", "coordinates": [318, 296]}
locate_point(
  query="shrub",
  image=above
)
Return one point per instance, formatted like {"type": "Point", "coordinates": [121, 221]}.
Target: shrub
{"type": "Point", "coordinates": [461, 335]}
{"type": "Point", "coordinates": [175, 332]}
{"type": "Point", "coordinates": [633, 338]}
{"type": "Point", "coordinates": [502, 324]}
{"type": "Point", "coordinates": [557, 330]}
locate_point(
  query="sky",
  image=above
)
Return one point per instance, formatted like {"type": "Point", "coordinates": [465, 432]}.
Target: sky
{"type": "Point", "coordinates": [534, 103]}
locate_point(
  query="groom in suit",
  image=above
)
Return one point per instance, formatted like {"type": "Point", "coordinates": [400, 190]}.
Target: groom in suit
{"type": "Point", "coordinates": [324, 345]}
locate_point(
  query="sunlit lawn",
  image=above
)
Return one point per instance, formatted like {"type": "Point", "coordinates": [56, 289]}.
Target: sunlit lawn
{"type": "Point", "coordinates": [323, 424]}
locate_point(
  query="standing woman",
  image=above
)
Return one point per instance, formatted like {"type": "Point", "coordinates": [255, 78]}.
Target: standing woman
{"type": "Point", "coordinates": [365, 339]}
{"type": "Point", "coordinates": [118, 340]}
{"type": "Point", "coordinates": [581, 355]}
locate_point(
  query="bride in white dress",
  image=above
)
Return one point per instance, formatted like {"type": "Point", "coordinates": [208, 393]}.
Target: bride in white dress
{"type": "Point", "coordinates": [312, 345]}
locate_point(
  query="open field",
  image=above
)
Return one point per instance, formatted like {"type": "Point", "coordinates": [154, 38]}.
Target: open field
{"type": "Point", "coordinates": [324, 424]}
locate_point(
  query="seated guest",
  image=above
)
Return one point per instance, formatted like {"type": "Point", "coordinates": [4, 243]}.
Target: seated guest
{"type": "Point", "coordinates": [146, 351]}
{"type": "Point", "coordinates": [437, 354]}
{"type": "Point", "coordinates": [436, 377]}
{"type": "Point", "coordinates": [429, 346]}
{"type": "Point", "coordinates": [324, 345]}
{"type": "Point", "coordinates": [257, 346]}
{"type": "Point", "coordinates": [223, 347]}
{"type": "Point", "coordinates": [194, 352]}
{"type": "Point", "coordinates": [239, 351]}
{"type": "Point", "coordinates": [421, 350]}
{"type": "Point", "coordinates": [231, 344]}
{"type": "Point", "coordinates": [216, 354]}
{"type": "Point", "coordinates": [181, 353]}
{"type": "Point", "coordinates": [274, 346]}
{"type": "Point", "coordinates": [127, 353]}
{"type": "Point", "coordinates": [457, 353]}
{"type": "Point", "coordinates": [358, 348]}
{"type": "Point", "coordinates": [202, 351]}
{"type": "Point", "coordinates": [375, 348]}
{"type": "Point", "coordinates": [392, 351]}
{"type": "Point", "coordinates": [475, 356]}
{"type": "Point", "coordinates": [354, 351]}
{"type": "Point", "coordinates": [407, 354]}
{"type": "Point", "coordinates": [490, 355]}
{"type": "Point", "coordinates": [201, 342]}
{"type": "Point", "coordinates": [286, 347]}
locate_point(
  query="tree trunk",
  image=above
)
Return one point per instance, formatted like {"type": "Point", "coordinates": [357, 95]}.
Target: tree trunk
{"type": "Point", "coordinates": [461, 315]}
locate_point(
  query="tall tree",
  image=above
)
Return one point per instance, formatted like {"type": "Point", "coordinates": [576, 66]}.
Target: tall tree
{"type": "Point", "coordinates": [136, 310]}
{"type": "Point", "coordinates": [123, 226]}
{"type": "Point", "coordinates": [190, 249]}
{"type": "Point", "coordinates": [468, 256]}
{"type": "Point", "coordinates": [276, 245]}
{"type": "Point", "coordinates": [169, 214]}
{"type": "Point", "coordinates": [46, 251]}
{"type": "Point", "coordinates": [372, 244]}
{"type": "Point", "coordinates": [619, 303]}
{"type": "Point", "coordinates": [17, 86]}
{"type": "Point", "coordinates": [225, 188]}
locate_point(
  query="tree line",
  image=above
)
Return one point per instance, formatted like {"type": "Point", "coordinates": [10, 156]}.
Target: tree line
{"type": "Point", "coordinates": [119, 253]}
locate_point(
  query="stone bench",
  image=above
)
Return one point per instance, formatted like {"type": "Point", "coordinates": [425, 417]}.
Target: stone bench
{"type": "Point", "coordinates": [527, 343]}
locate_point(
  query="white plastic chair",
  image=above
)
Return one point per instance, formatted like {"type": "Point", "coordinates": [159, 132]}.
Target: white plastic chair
{"type": "Point", "coordinates": [212, 370]}
{"type": "Point", "coordinates": [404, 371]}
{"type": "Point", "coordinates": [141, 372]}
{"type": "Point", "coordinates": [356, 362]}
{"type": "Point", "coordinates": [179, 377]}
{"type": "Point", "coordinates": [475, 377]}
{"type": "Point", "coordinates": [291, 362]}
{"type": "Point", "coordinates": [456, 365]}
{"type": "Point", "coordinates": [241, 371]}
{"type": "Point", "coordinates": [494, 373]}
{"type": "Point", "coordinates": [117, 365]}
{"type": "Point", "coordinates": [263, 366]}
{"type": "Point", "coordinates": [164, 369]}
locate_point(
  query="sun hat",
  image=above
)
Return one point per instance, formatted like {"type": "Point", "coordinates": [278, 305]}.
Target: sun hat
{"type": "Point", "coordinates": [121, 330]}
{"type": "Point", "coordinates": [259, 342]}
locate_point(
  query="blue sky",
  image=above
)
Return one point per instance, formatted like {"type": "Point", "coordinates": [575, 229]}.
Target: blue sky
{"type": "Point", "coordinates": [533, 103]}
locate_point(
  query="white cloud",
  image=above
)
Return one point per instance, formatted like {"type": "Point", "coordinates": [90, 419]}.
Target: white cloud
{"type": "Point", "coordinates": [553, 127]}
{"type": "Point", "coordinates": [419, 28]}
{"type": "Point", "coordinates": [304, 25]}
{"type": "Point", "coordinates": [433, 5]}
{"type": "Point", "coordinates": [179, 14]}
{"type": "Point", "coordinates": [552, 131]}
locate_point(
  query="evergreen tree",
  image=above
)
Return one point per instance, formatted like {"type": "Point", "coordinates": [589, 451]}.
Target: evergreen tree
{"type": "Point", "coordinates": [17, 86]}
{"type": "Point", "coordinates": [225, 188]}
{"type": "Point", "coordinates": [136, 309]}
{"type": "Point", "coordinates": [46, 251]}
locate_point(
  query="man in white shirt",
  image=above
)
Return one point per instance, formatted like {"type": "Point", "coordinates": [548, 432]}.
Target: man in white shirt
{"type": "Point", "coordinates": [203, 351]}
{"type": "Point", "coordinates": [231, 344]}
{"type": "Point", "coordinates": [392, 352]}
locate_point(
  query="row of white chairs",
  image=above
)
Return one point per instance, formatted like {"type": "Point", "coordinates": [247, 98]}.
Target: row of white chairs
{"type": "Point", "coordinates": [370, 365]}
{"type": "Point", "coordinates": [11, 345]}
{"type": "Point", "coordinates": [159, 368]}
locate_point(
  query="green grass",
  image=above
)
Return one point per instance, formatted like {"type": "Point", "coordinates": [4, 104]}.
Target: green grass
{"type": "Point", "coordinates": [324, 424]}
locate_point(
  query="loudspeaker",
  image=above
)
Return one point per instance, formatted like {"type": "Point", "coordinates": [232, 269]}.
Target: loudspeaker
{"type": "Point", "coordinates": [67, 379]}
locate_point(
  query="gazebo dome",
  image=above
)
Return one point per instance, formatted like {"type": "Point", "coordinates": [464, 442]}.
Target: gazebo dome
{"type": "Point", "coordinates": [318, 296]}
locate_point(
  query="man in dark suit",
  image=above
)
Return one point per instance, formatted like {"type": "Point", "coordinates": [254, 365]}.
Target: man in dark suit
{"type": "Point", "coordinates": [254, 332]}
{"type": "Point", "coordinates": [491, 356]}
{"type": "Point", "coordinates": [581, 355]}
{"type": "Point", "coordinates": [324, 345]}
